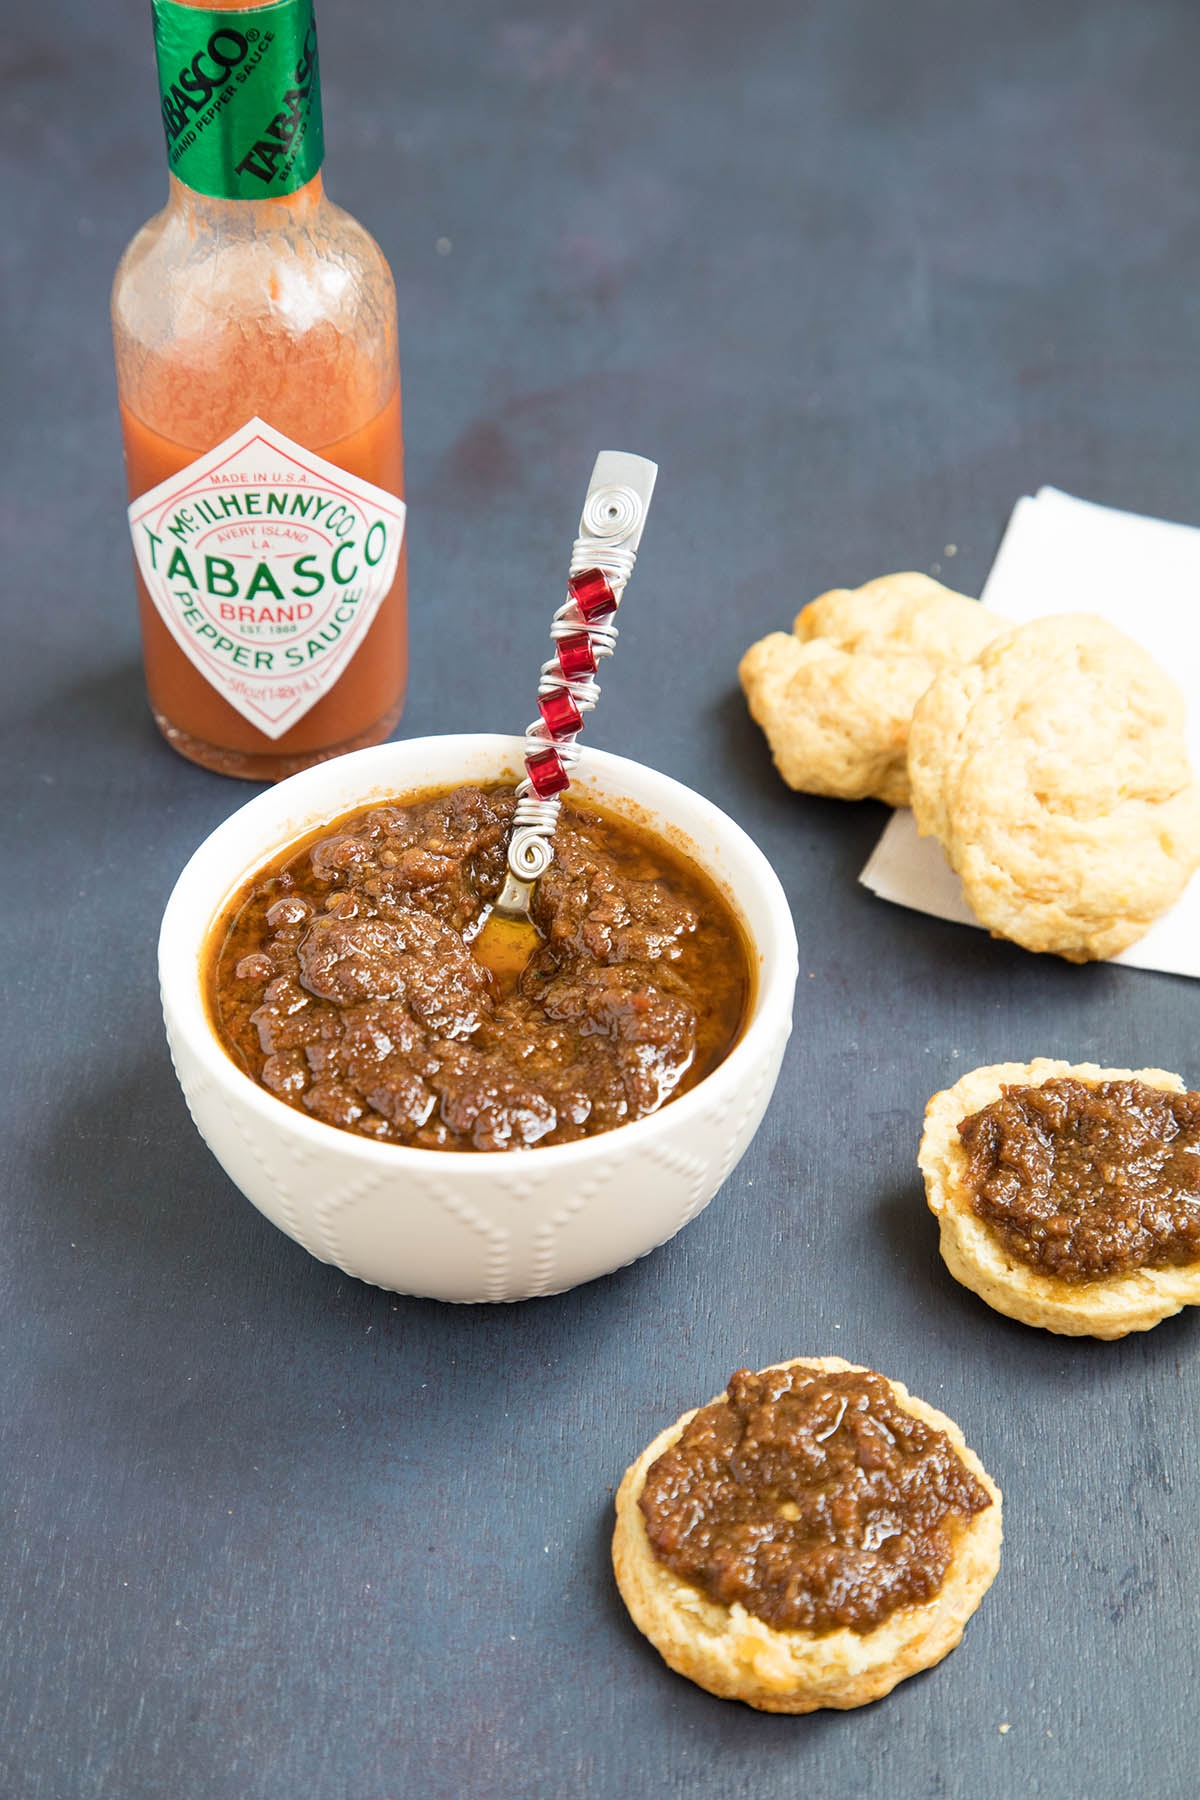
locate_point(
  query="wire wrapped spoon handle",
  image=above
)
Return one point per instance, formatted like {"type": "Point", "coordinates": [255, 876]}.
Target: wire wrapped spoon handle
{"type": "Point", "coordinates": [583, 631]}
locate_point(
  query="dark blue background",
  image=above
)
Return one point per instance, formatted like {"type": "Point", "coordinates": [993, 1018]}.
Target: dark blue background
{"type": "Point", "coordinates": [857, 274]}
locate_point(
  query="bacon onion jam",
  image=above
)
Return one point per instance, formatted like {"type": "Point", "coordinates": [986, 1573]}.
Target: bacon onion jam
{"type": "Point", "coordinates": [342, 979]}
{"type": "Point", "coordinates": [813, 1499]}
{"type": "Point", "coordinates": [1088, 1179]}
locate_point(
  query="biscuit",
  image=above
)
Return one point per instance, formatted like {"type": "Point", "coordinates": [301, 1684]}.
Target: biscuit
{"type": "Point", "coordinates": [1054, 772]}
{"type": "Point", "coordinates": [835, 695]}
{"type": "Point", "coordinates": [977, 1257]}
{"type": "Point", "coordinates": [736, 1655]}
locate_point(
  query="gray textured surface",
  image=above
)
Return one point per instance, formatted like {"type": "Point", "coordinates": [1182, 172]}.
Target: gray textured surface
{"type": "Point", "coordinates": [857, 274]}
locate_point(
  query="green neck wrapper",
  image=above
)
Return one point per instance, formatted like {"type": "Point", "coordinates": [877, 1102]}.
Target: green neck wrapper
{"type": "Point", "coordinates": [241, 97]}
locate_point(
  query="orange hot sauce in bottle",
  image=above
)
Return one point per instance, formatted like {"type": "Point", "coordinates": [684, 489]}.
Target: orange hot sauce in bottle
{"type": "Point", "coordinates": [254, 325]}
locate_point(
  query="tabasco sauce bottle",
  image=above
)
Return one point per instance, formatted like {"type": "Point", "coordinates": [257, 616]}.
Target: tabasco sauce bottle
{"type": "Point", "coordinates": [257, 372]}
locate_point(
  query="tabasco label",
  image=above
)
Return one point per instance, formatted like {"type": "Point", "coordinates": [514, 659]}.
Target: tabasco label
{"type": "Point", "coordinates": [241, 96]}
{"type": "Point", "coordinates": [267, 565]}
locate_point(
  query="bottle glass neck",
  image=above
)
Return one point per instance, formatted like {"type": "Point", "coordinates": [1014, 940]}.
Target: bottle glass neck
{"type": "Point", "coordinates": [297, 207]}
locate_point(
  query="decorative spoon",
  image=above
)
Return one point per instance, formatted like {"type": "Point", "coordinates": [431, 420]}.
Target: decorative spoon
{"type": "Point", "coordinates": [583, 631]}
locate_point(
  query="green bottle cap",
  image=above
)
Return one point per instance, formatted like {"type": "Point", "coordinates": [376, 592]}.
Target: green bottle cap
{"type": "Point", "coordinates": [241, 97]}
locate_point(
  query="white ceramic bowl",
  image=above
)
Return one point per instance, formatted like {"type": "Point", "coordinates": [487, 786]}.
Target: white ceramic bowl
{"type": "Point", "coordinates": [459, 1225]}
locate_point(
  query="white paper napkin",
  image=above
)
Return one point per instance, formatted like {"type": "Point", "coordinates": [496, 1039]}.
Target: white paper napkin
{"type": "Point", "coordinates": [1061, 555]}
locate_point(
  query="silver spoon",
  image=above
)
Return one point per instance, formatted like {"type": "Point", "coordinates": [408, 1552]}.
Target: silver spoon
{"type": "Point", "coordinates": [583, 631]}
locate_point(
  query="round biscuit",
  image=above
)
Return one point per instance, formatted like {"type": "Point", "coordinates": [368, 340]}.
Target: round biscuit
{"type": "Point", "coordinates": [1054, 772]}
{"type": "Point", "coordinates": [835, 695]}
{"type": "Point", "coordinates": [975, 1255]}
{"type": "Point", "coordinates": [737, 1656]}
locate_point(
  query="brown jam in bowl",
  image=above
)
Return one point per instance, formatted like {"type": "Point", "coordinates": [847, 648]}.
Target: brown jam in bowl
{"type": "Point", "coordinates": [1088, 1179]}
{"type": "Point", "coordinates": [812, 1499]}
{"type": "Point", "coordinates": [342, 979]}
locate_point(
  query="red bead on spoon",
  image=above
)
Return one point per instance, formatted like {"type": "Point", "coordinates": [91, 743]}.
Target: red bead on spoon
{"type": "Point", "coordinates": [592, 594]}
{"type": "Point", "coordinates": [547, 774]}
{"type": "Point", "coordinates": [576, 658]}
{"type": "Point", "coordinates": [562, 717]}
